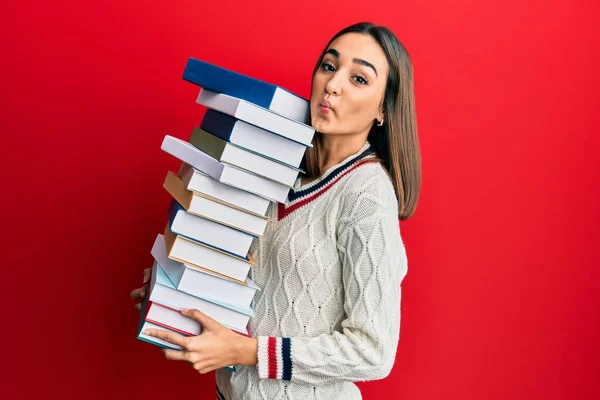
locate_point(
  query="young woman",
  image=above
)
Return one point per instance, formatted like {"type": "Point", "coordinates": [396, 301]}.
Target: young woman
{"type": "Point", "coordinates": [331, 265]}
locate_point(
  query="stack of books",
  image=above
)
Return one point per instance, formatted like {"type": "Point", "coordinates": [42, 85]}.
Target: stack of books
{"type": "Point", "coordinates": [244, 155]}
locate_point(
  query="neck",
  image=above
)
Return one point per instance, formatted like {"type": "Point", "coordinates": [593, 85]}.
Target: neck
{"type": "Point", "coordinates": [337, 148]}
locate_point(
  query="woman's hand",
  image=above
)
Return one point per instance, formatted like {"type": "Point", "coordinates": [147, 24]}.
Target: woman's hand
{"type": "Point", "coordinates": [216, 347]}
{"type": "Point", "coordinates": [140, 293]}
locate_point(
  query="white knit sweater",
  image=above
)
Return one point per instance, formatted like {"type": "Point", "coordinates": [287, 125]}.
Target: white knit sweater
{"type": "Point", "coordinates": [330, 268]}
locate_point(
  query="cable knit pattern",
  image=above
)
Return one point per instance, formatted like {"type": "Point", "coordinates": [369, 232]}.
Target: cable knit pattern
{"type": "Point", "coordinates": [330, 272]}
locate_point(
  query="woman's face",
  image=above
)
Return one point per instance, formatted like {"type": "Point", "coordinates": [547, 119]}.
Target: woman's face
{"type": "Point", "coordinates": [348, 88]}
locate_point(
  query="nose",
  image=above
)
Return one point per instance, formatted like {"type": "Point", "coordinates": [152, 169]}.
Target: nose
{"type": "Point", "coordinates": [333, 86]}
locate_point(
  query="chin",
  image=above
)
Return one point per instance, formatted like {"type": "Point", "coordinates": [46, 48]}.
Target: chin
{"type": "Point", "coordinates": [321, 125]}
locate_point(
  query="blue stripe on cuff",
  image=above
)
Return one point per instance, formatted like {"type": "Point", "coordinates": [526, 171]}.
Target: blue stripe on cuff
{"type": "Point", "coordinates": [287, 358]}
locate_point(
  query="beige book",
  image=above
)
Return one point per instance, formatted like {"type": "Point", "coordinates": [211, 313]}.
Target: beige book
{"type": "Point", "coordinates": [207, 259]}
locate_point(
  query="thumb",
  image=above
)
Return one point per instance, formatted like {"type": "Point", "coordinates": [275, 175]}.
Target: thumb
{"type": "Point", "coordinates": [205, 321]}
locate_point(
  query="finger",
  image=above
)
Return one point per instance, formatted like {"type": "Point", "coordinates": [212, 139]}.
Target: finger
{"type": "Point", "coordinates": [138, 306]}
{"type": "Point", "coordinates": [147, 274]}
{"type": "Point", "coordinates": [176, 355]}
{"type": "Point", "coordinates": [190, 357]}
{"type": "Point", "coordinates": [138, 293]}
{"type": "Point", "coordinates": [168, 336]}
{"type": "Point", "coordinates": [202, 367]}
{"type": "Point", "coordinates": [203, 319]}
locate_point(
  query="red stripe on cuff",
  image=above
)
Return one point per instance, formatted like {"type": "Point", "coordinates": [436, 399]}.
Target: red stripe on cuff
{"type": "Point", "coordinates": [272, 358]}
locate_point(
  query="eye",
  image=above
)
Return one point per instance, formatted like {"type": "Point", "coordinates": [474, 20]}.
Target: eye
{"type": "Point", "coordinates": [360, 80]}
{"type": "Point", "coordinates": [327, 67]}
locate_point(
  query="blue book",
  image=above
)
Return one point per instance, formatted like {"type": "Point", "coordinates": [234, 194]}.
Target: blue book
{"type": "Point", "coordinates": [263, 94]}
{"type": "Point", "coordinates": [253, 138]}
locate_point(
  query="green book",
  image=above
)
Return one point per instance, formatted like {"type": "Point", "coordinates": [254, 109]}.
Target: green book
{"type": "Point", "coordinates": [243, 158]}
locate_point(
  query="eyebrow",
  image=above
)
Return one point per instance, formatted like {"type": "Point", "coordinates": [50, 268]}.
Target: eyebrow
{"type": "Point", "coordinates": [336, 54]}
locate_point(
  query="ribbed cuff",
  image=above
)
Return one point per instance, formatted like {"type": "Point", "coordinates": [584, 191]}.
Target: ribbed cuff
{"type": "Point", "coordinates": [274, 358]}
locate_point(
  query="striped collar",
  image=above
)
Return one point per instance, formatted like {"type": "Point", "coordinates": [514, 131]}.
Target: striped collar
{"type": "Point", "coordinates": [303, 194]}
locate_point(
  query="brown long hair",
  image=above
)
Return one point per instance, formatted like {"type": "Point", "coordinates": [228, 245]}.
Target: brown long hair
{"type": "Point", "coordinates": [396, 142]}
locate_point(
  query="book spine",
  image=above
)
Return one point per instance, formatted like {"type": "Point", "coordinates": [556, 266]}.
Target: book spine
{"type": "Point", "coordinates": [219, 124]}
{"type": "Point", "coordinates": [221, 80]}
{"type": "Point", "coordinates": [207, 143]}
{"type": "Point", "coordinates": [174, 208]}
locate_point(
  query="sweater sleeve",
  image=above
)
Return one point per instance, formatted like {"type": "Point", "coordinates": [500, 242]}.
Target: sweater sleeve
{"type": "Point", "coordinates": [374, 264]}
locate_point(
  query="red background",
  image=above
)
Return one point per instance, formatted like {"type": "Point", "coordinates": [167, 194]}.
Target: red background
{"type": "Point", "coordinates": [501, 298]}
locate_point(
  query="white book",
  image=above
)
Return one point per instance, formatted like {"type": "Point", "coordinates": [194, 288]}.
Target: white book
{"type": "Point", "coordinates": [256, 115]}
{"type": "Point", "coordinates": [172, 319]}
{"type": "Point", "coordinates": [290, 105]}
{"type": "Point", "coordinates": [162, 292]}
{"type": "Point", "coordinates": [208, 232]}
{"type": "Point", "coordinates": [155, 312]}
{"type": "Point", "coordinates": [205, 258]}
{"type": "Point", "coordinates": [214, 288]}
{"type": "Point", "coordinates": [213, 209]}
{"type": "Point", "coordinates": [153, 339]}
{"type": "Point", "coordinates": [202, 284]}
{"type": "Point", "coordinates": [198, 182]}
{"type": "Point", "coordinates": [233, 154]}
{"type": "Point", "coordinates": [253, 138]}
{"type": "Point", "coordinates": [225, 173]}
